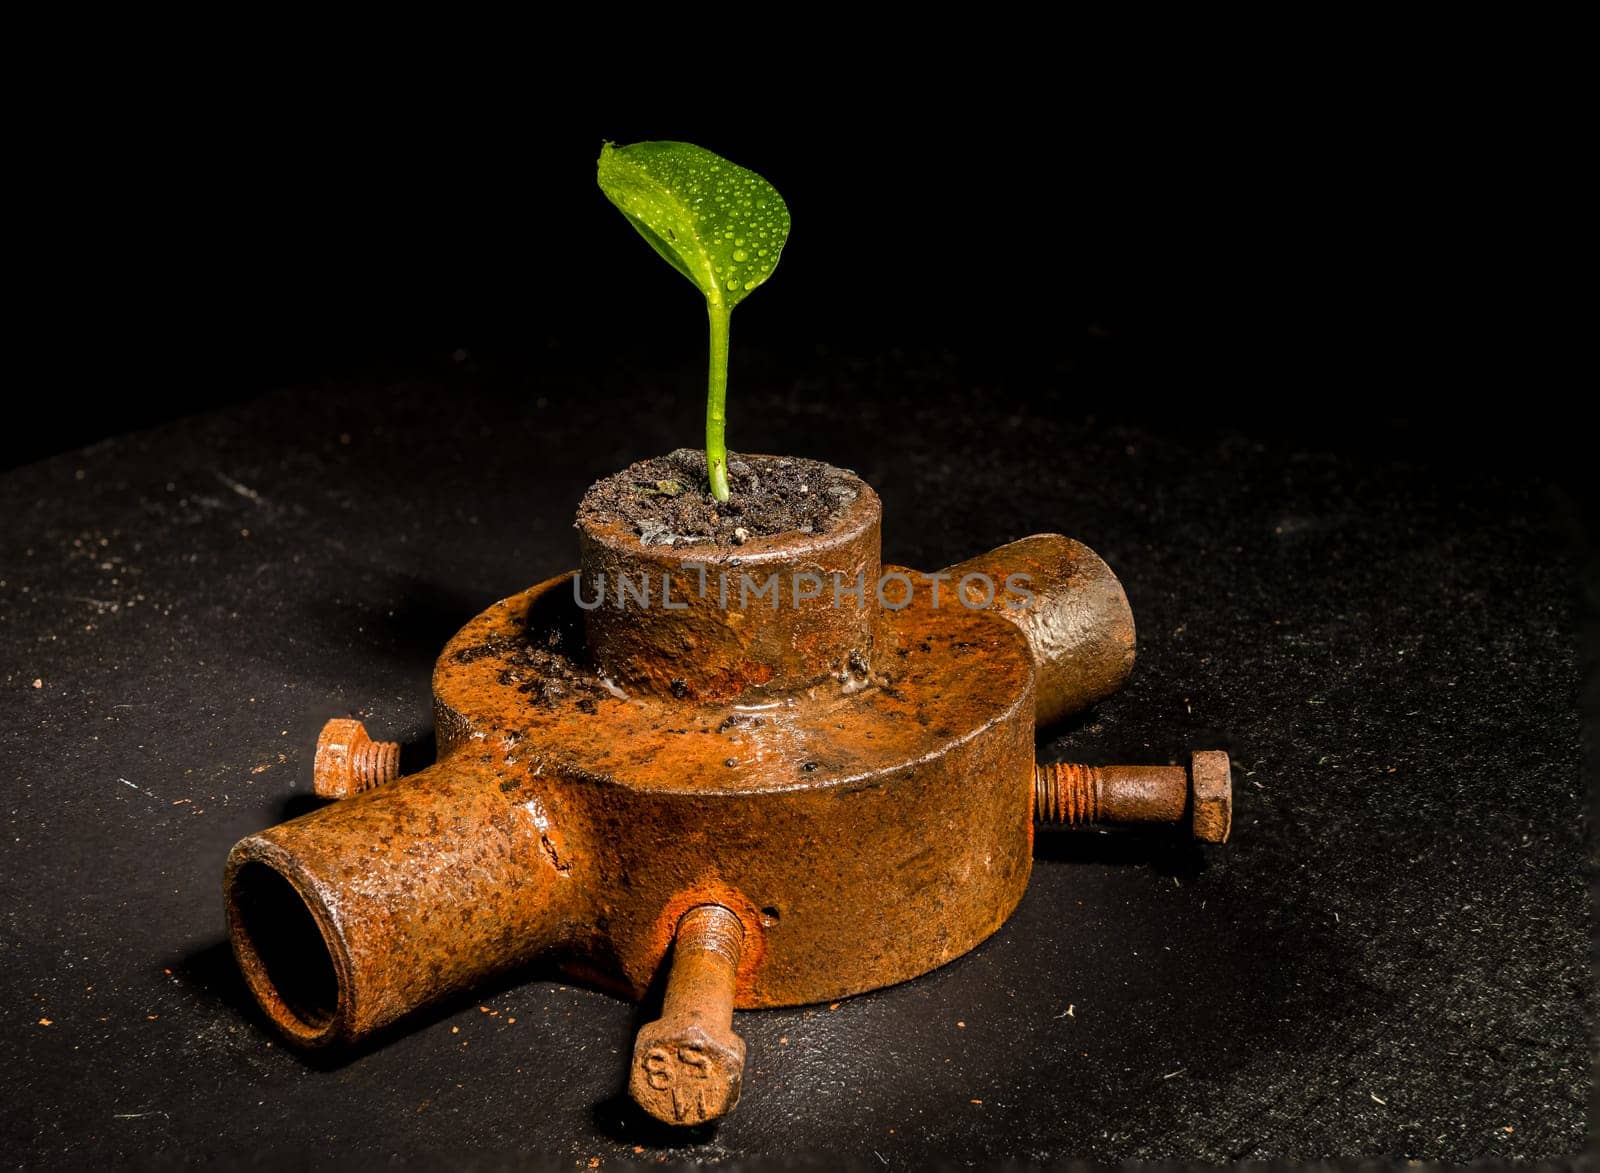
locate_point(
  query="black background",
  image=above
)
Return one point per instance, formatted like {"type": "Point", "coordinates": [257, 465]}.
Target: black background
{"type": "Point", "coordinates": [1278, 352]}
{"type": "Point", "coordinates": [1351, 261]}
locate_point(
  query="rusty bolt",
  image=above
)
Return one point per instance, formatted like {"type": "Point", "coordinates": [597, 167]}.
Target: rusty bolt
{"type": "Point", "coordinates": [348, 761]}
{"type": "Point", "coordinates": [688, 1065]}
{"type": "Point", "coordinates": [1071, 795]}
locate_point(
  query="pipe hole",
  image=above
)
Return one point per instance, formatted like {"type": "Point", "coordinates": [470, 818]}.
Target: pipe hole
{"type": "Point", "coordinates": [285, 944]}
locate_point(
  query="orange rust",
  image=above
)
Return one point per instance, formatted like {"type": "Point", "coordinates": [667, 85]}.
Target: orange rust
{"type": "Point", "coordinates": [734, 680]}
{"type": "Point", "coordinates": [1211, 795]}
{"type": "Point", "coordinates": [347, 918]}
{"type": "Point", "coordinates": [712, 892]}
{"type": "Point", "coordinates": [1066, 793]}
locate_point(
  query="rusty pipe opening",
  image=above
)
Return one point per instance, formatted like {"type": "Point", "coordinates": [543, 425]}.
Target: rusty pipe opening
{"type": "Point", "coordinates": [349, 917]}
{"type": "Point", "coordinates": [286, 947]}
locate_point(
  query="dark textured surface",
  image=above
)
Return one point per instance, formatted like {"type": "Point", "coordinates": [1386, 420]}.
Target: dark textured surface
{"type": "Point", "coordinates": [1390, 957]}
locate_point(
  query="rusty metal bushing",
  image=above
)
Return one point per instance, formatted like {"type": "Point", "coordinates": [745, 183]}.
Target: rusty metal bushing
{"type": "Point", "coordinates": [714, 624]}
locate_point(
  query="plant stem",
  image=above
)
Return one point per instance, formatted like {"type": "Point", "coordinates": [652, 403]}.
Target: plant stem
{"type": "Point", "coordinates": [716, 400]}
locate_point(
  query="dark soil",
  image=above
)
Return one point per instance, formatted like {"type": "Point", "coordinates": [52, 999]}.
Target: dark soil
{"type": "Point", "coordinates": [547, 663]}
{"type": "Point", "coordinates": [667, 500]}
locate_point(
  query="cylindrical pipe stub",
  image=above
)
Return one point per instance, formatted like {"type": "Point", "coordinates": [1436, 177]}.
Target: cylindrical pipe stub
{"type": "Point", "coordinates": [347, 918]}
{"type": "Point", "coordinates": [1072, 609]}
{"type": "Point", "coordinates": [714, 622]}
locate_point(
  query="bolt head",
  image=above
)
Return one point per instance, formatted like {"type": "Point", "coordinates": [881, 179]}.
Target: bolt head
{"type": "Point", "coordinates": [1211, 783]}
{"type": "Point", "coordinates": [332, 771]}
{"type": "Point", "coordinates": [685, 1074]}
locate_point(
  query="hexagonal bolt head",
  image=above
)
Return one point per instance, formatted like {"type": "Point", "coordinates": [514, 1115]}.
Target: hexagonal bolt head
{"type": "Point", "coordinates": [1211, 795]}
{"type": "Point", "coordinates": [348, 761]}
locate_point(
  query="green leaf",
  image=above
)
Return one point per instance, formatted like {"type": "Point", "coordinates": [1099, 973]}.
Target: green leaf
{"type": "Point", "coordinates": [719, 224]}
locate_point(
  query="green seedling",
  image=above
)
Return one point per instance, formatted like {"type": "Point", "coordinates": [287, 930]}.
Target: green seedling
{"type": "Point", "coordinates": [719, 225]}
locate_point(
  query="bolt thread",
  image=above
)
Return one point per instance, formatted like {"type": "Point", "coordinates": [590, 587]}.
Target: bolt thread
{"type": "Point", "coordinates": [373, 764]}
{"type": "Point", "coordinates": [1066, 794]}
{"type": "Point", "coordinates": [710, 928]}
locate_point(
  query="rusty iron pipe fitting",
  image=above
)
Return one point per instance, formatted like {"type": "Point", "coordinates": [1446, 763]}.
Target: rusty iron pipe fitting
{"type": "Point", "coordinates": [794, 803]}
{"type": "Point", "coordinates": [688, 1065]}
{"type": "Point", "coordinates": [1072, 795]}
{"type": "Point", "coordinates": [349, 762]}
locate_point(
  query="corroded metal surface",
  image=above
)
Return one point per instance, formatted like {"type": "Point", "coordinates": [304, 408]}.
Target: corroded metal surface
{"type": "Point", "coordinates": [865, 830]}
{"type": "Point", "coordinates": [688, 1065]}
{"type": "Point", "coordinates": [1072, 795]}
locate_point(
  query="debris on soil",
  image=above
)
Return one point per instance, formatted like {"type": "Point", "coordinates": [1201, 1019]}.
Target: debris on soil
{"type": "Point", "coordinates": [666, 500]}
{"type": "Point", "coordinates": [544, 664]}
